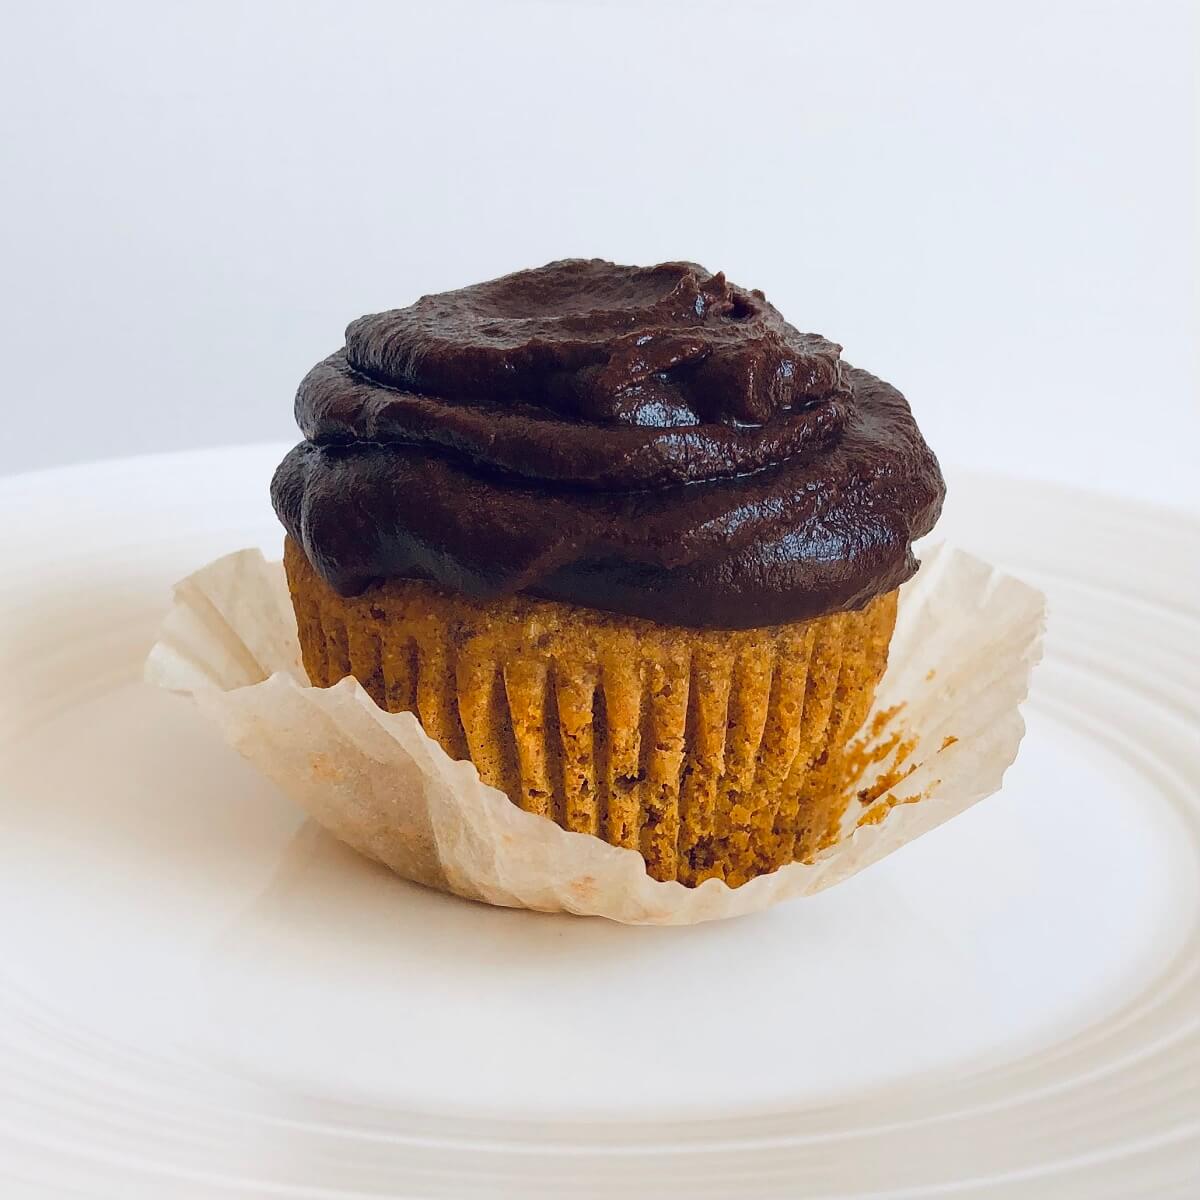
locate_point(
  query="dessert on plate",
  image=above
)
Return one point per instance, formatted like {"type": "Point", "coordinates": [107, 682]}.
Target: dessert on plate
{"type": "Point", "coordinates": [621, 536]}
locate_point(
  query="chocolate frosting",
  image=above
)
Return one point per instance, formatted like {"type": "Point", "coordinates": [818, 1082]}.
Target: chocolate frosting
{"type": "Point", "coordinates": [650, 441]}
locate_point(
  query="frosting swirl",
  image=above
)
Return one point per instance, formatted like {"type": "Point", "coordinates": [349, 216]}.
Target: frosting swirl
{"type": "Point", "coordinates": [652, 441]}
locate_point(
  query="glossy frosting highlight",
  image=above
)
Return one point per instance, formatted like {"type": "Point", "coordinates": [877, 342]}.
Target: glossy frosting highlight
{"type": "Point", "coordinates": [650, 441]}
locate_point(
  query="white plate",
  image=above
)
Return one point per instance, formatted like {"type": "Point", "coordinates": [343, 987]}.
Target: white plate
{"type": "Point", "coordinates": [201, 996]}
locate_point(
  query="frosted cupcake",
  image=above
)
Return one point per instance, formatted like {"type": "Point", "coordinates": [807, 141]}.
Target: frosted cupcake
{"type": "Point", "coordinates": [621, 536]}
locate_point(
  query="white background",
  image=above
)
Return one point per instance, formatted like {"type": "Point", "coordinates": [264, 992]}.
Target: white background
{"type": "Point", "coordinates": [992, 206]}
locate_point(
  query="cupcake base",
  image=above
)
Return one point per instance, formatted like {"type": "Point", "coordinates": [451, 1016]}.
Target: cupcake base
{"type": "Point", "coordinates": [715, 754]}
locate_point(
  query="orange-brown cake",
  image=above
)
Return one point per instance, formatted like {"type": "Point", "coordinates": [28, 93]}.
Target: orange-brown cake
{"type": "Point", "coordinates": [622, 537]}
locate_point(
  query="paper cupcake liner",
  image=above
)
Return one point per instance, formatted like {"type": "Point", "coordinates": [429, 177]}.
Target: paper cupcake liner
{"type": "Point", "coordinates": [713, 754]}
{"type": "Point", "coordinates": [943, 727]}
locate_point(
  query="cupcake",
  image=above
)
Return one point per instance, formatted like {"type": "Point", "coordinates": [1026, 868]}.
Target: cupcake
{"type": "Point", "coordinates": [622, 537]}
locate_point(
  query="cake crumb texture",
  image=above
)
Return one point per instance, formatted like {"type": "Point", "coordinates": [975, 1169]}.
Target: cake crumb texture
{"type": "Point", "coordinates": [714, 754]}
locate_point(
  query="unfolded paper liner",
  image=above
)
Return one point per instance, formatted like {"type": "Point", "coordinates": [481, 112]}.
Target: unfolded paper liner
{"type": "Point", "coordinates": [944, 727]}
